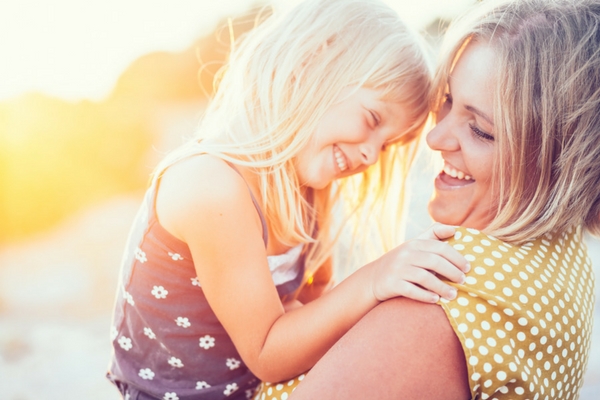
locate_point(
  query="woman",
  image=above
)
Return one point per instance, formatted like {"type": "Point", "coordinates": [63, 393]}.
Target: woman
{"type": "Point", "coordinates": [517, 100]}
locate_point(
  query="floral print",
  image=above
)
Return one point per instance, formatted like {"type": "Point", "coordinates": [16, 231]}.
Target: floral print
{"type": "Point", "coordinates": [202, 385]}
{"type": "Point", "coordinates": [148, 332]}
{"type": "Point", "coordinates": [183, 322]}
{"type": "Point", "coordinates": [230, 389]}
{"type": "Point", "coordinates": [175, 362]}
{"type": "Point", "coordinates": [146, 373]}
{"type": "Point", "coordinates": [125, 343]}
{"type": "Point", "coordinates": [159, 292]}
{"type": "Point", "coordinates": [206, 342]}
{"type": "Point", "coordinates": [232, 363]}
{"type": "Point", "coordinates": [140, 255]}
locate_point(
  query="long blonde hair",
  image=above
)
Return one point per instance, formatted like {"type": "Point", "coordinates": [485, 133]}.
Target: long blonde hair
{"type": "Point", "coordinates": [278, 83]}
{"type": "Point", "coordinates": [546, 111]}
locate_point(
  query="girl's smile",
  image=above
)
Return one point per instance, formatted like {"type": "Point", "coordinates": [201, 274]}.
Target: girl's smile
{"type": "Point", "coordinates": [350, 136]}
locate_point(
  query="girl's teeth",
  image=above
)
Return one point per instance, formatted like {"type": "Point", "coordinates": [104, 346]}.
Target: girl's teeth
{"type": "Point", "coordinates": [339, 158]}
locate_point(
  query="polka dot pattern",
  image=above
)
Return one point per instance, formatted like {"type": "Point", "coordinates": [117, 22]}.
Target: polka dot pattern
{"type": "Point", "coordinates": [524, 315]}
{"type": "Point", "coordinates": [277, 391]}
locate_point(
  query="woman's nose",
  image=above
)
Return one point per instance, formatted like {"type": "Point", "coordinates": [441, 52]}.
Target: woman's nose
{"type": "Point", "coordinates": [442, 138]}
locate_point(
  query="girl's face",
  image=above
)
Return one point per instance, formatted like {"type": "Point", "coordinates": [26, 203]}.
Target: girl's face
{"type": "Point", "coordinates": [350, 136]}
{"type": "Point", "coordinates": [464, 136]}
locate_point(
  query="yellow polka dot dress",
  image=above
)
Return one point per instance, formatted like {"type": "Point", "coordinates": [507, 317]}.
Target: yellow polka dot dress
{"type": "Point", "coordinates": [523, 317]}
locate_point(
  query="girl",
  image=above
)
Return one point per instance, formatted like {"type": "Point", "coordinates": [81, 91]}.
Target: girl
{"type": "Point", "coordinates": [240, 218]}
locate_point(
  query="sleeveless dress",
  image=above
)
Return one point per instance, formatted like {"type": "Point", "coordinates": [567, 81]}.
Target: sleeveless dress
{"type": "Point", "coordinates": [167, 342]}
{"type": "Point", "coordinates": [523, 317]}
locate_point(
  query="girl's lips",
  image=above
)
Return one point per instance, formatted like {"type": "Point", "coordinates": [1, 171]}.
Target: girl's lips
{"type": "Point", "coordinates": [340, 159]}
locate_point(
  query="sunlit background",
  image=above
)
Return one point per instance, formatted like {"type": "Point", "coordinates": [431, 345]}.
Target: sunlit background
{"type": "Point", "coordinates": [92, 94]}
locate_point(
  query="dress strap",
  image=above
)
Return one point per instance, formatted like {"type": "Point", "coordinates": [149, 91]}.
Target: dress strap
{"type": "Point", "coordinates": [263, 221]}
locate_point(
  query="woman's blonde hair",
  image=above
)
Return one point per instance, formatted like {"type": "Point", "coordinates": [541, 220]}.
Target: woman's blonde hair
{"type": "Point", "coordinates": [546, 111]}
{"type": "Point", "coordinates": [280, 80]}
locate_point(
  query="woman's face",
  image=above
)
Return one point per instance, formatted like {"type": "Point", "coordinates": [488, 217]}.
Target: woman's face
{"type": "Point", "coordinates": [350, 136]}
{"type": "Point", "coordinates": [464, 136]}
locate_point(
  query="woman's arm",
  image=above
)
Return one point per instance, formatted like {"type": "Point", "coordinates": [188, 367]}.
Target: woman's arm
{"type": "Point", "coordinates": [402, 349]}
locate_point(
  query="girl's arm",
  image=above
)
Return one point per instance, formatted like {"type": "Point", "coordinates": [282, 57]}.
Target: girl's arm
{"type": "Point", "coordinates": [203, 202]}
{"type": "Point", "coordinates": [402, 349]}
{"type": "Point", "coordinates": [318, 283]}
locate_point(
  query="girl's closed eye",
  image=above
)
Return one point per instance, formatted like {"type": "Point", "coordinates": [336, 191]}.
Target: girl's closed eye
{"type": "Point", "coordinates": [375, 119]}
{"type": "Point", "coordinates": [481, 134]}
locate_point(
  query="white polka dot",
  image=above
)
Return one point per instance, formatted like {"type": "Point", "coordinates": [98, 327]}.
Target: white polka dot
{"type": "Point", "coordinates": [459, 246]}
{"type": "Point", "coordinates": [478, 249]}
{"type": "Point", "coordinates": [515, 283]}
{"type": "Point", "coordinates": [522, 321]}
{"type": "Point", "coordinates": [467, 238]}
{"type": "Point", "coordinates": [479, 270]}
{"type": "Point", "coordinates": [521, 336]}
{"type": "Point", "coordinates": [483, 350]}
{"type": "Point", "coordinates": [496, 254]}
{"type": "Point", "coordinates": [462, 328]}
{"type": "Point", "coordinates": [498, 276]}
{"type": "Point", "coordinates": [490, 285]}
{"type": "Point", "coordinates": [473, 360]}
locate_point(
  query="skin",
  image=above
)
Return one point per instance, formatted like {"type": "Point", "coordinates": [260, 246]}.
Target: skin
{"type": "Point", "coordinates": [206, 204]}
{"type": "Point", "coordinates": [404, 349]}
{"type": "Point", "coordinates": [359, 124]}
{"type": "Point", "coordinates": [464, 138]}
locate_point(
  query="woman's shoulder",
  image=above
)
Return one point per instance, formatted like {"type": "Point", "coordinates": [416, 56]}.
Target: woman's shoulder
{"type": "Point", "coordinates": [524, 312]}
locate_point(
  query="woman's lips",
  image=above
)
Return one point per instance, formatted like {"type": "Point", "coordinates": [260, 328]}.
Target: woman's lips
{"type": "Point", "coordinates": [445, 181]}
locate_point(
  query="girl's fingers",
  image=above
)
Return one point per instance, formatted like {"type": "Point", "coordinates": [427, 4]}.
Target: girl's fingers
{"type": "Point", "coordinates": [428, 281]}
{"type": "Point", "coordinates": [438, 231]}
{"type": "Point", "coordinates": [445, 251]}
{"type": "Point", "coordinates": [415, 292]}
{"type": "Point", "coordinates": [438, 264]}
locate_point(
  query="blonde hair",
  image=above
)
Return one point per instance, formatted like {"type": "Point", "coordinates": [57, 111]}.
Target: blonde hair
{"type": "Point", "coordinates": [546, 111]}
{"type": "Point", "coordinates": [278, 83]}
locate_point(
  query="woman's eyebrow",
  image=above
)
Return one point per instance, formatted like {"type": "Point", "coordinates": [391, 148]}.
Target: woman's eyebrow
{"type": "Point", "coordinates": [480, 113]}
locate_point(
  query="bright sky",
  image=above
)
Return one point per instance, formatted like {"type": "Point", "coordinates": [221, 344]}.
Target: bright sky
{"type": "Point", "coordinates": [77, 49]}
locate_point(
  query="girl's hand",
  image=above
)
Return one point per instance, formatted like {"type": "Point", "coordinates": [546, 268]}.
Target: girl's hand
{"type": "Point", "coordinates": [410, 269]}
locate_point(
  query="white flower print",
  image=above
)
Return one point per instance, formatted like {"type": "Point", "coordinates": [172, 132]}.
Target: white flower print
{"type": "Point", "coordinates": [232, 363]}
{"type": "Point", "coordinates": [232, 387]}
{"type": "Point", "coordinates": [202, 385]}
{"type": "Point", "coordinates": [125, 343]}
{"type": "Point", "coordinates": [195, 281]}
{"type": "Point", "coordinates": [175, 256]}
{"type": "Point", "coordinates": [113, 333]}
{"type": "Point", "coordinates": [206, 342]}
{"type": "Point", "coordinates": [140, 255]}
{"type": "Point", "coordinates": [170, 396]}
{"type": "Point", "coordinates": [249, 393]}
{"type": "Point", "coordinates": [175, 362]}
{"type": "Point", "coordinates": [148, 332]}
{"type": "Point", "coordinates": [183, 322]}
{"type": "Point", "coordinates": [159, 292]}
{"type": "Point", "coordinates": [146, 374]}
{"type": "Point", "coordinates": [129, 298]}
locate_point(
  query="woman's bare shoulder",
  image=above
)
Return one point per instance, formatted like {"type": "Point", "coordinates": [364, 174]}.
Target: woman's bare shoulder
{"type": "Point", "coordinates": [402, 349]}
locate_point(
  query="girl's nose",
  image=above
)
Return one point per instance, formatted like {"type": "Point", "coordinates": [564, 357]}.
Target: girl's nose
{"type": "Point", "coordinates": [369, 153]}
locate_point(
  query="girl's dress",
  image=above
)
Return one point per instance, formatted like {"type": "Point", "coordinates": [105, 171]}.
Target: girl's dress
{"type": "Point", "coordinates": [523, 317]}
{"type": "Point", "coordinates": [167, 342]}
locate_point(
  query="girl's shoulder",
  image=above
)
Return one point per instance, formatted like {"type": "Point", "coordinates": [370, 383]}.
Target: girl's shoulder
{"type": "Point", "coordinates": [198, 187]}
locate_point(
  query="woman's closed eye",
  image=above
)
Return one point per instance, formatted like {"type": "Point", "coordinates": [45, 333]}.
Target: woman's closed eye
{"type": "Point", "coordinates": [481, 134]}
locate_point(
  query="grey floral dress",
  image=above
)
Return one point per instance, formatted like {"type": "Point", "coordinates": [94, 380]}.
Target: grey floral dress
{"type": "Point", "coordinates": [167, 342]}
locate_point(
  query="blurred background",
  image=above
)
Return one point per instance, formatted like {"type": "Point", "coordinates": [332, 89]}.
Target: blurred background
{"type": "Point", "coordinates": [92, 95]}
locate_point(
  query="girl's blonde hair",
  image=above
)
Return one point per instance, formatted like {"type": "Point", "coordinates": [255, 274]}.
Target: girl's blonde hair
{"type": "Point", "coordinates": [546, 111]}
{"type": "Point", "coordinates": [280, 80]}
